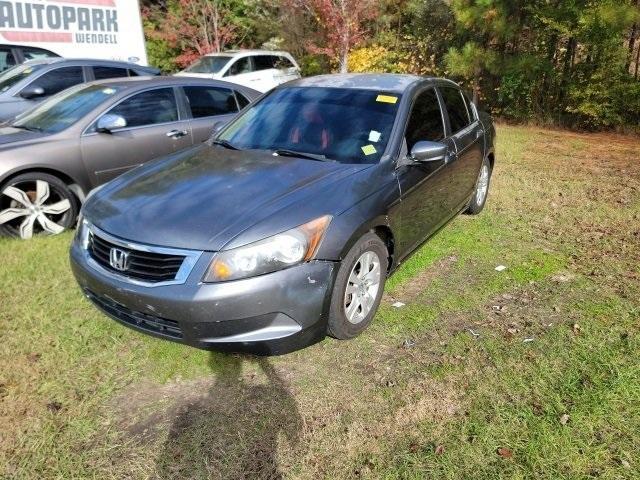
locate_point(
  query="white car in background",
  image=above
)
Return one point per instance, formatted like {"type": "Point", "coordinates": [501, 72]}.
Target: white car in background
{"type": "Point", "coordinates": [261, 70]}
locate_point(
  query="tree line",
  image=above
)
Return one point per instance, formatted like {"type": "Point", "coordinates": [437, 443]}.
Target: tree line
{"type": "Point", "coordinates": [572, 63]}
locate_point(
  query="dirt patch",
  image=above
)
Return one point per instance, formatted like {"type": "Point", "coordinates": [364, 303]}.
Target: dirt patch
{"type": "Point", "coordinates": [411, 290]}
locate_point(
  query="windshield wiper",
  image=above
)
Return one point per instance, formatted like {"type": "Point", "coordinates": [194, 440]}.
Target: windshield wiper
{"type": "Point", "coordinates": [225, 144]}
{"type": "Point", "coordinates": [24, 127]}
{"type": "Point", "coordinates": [283, 152]}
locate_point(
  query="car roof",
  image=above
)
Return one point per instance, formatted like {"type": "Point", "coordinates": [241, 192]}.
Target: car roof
{"type": "Point", "coordinates": [144, 82]}
{"type": "Point", "coordinates": [88, 62]}
{"type": "Point", "coordinates": [388, 82]}
{"type": "Point", "coordinates": [234, 53]}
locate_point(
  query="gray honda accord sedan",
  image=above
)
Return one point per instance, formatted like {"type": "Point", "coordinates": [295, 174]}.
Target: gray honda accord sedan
{"type": "Point", "coordinates": [53, 155]}
{"type": "Point", "coordinates": [284, 228]}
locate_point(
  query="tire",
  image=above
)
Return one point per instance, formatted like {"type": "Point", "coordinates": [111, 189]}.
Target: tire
{"type": "Point", "coordinates": [370, 249]}
{"type": "Point", "coordinates": [481, 191]}
{"type": "Point", "coordinates": [34, 203]}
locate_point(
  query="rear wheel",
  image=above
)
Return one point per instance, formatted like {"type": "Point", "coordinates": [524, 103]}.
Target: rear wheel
{"type": "Point", "coordinates": [482, 189]}
{"type": "Point", "coordinates": [358, 287]}
{"type": "Point", "coordinates": [35, 203]}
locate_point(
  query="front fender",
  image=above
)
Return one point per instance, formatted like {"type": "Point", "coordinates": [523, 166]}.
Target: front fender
{"type": "Point", "coordinates": [348, 227]}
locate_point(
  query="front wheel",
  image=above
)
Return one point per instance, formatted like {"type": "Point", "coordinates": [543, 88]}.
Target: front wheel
{"type": "Point", "coordinates": [35, 203]}
{"type": "Point", "coordinates": [358, 287]}
{"type": "Point", "coordinates": [482, 189]}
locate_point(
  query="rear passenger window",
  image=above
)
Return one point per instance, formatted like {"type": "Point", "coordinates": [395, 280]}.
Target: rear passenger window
{"type": "Point", "coordinates": [457, 109]}
{"type": "Point", "coordinates": [264, 62]}
{"type": "Point", "coordinates": [242, 100]}
{"type": "Point", "coordinates": [425, 122]}
{"type": "Point", "coordinates": [283, 63]}
{"type": "Point", "coordinates": [149, 108]}
{"type": "Point", "coordinates": [102, 73]}
{"type": "Point", "coordinates": [210, 101]}
{"type": "Point", "coordinates": [60, 79]}
{"type": "Point", "coordinates": [6, 59]}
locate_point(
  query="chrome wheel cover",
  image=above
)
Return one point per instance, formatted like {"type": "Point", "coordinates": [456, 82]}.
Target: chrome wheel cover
{"type": "Point", "coordinates": [37, 209]}
{"type": "Point", "coordinates": [483, 184]}
{"type": "Point", "coordinates": [362, 287]}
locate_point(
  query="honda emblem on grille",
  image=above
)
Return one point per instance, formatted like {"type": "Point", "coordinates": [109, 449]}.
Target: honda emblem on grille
{"type": "Point", "coordinates": [119, 259]}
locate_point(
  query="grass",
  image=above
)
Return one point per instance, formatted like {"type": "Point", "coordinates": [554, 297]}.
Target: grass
{"type": "Point", "coordinates": [528, 373]}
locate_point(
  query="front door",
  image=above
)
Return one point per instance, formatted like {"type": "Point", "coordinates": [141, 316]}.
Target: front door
{"type": "Point", "coordinates": [423, 186]}
{"type": "Point", "coordinates": [153, 130]}
{"type": "Point", "coordinates": [209, 106]}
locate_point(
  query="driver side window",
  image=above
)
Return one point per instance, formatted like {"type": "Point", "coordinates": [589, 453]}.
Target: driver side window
{"type": "Point", "coordinates": [425, 122]}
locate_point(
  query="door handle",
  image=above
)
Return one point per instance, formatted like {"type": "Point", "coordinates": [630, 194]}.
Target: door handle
{"type": "Point", "coordinates": [176, 133]}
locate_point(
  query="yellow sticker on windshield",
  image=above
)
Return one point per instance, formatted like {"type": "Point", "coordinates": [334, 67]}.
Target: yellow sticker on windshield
{"type": "Point", "coordinates": [386, 99]}
{"type": "Point", "coordinates": [369, 150]}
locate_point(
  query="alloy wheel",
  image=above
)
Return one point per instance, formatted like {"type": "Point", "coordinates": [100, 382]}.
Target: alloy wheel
{"type": "Point", "coordinates": [32, 207]}
{"type": "Point", "coordinates": [483, 184]}
{"type": "Point", "coordinates": [362, 287]}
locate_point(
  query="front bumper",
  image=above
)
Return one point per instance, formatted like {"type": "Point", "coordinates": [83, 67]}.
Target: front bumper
{"type": "Point", "coordinates": [267, 315]}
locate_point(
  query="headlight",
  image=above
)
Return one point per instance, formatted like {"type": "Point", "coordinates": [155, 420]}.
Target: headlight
{"type": "Point", "coordinates": [82, 232]}
{"type": "Point", "coordinates": [294, 246]}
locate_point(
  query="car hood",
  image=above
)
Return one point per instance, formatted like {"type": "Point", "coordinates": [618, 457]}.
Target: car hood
{"type": "Point", "coordinates": [204, 198]}
{"type": "Point", "coordinates": [10, 136]}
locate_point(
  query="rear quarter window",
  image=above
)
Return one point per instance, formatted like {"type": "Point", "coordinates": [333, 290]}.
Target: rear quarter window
{"type": "Point", "coordinates": [456, 108]}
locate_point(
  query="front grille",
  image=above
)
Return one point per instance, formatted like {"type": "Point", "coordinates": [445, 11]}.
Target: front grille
{"type": "Point", "coordinates": [147, 266]}
{"type": "Point", "coordinates": [143, 321]}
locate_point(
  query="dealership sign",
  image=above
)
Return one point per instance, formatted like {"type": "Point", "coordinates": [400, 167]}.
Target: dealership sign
{"type": "Point", "coordinates": [92, 23]}
{"type": "Point", "coordinates": [86, 21]}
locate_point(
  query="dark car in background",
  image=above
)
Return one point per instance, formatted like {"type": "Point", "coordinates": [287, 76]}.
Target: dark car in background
{"type": "Point", "coordinates": [12, 55]}
{"type": "Point", "coordinates": [53, 155]}
{"type": "Point", "coordinates": [284, 228]}
{"type": "Point", "coordinates": [24, 86]}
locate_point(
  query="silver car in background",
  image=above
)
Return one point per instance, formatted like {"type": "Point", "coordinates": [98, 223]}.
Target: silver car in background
{"type": "Point", "coordinates": [24, 86]}
{"type": "Point", "coordinates": [53, 155]}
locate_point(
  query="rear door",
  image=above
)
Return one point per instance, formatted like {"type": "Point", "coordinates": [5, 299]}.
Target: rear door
{"type": "Point", "coordinates": [209, 105]}
{"type": "Point", "coordinates": [155, 128]}
{"type": "Point", "coordinates": [285, 70]}
{"type": "Point", "coordinates": [467, 134]}
{"type": "Point", "coordinates": [241, 71]}
{"type": "Point", "coordinates": [267, 72]}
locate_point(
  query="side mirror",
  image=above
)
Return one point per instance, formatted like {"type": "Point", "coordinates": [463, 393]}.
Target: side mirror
{"type": "Point", "coordinates": [32, 92]}
{"type": "Point", "coordinates": [109, 122]}
{"type": "Point", "coordinates": [429, 152]}
{"type": "Point", "coordinates": [217, 127]}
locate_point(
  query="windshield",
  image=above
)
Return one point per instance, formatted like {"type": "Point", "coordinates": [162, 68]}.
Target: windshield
{"type": "Point", "coordinates": [346, 125]}
{"type": "Point", "coordinates": [12, 76]}
{"type": "Point", "coordinates": [65, 109]}
{"type": "Point", "coordinates": [208, 65]}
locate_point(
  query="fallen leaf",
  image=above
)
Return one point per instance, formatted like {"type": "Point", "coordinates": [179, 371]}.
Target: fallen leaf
{"type": "Point", "coordinates": [500, 268]}
{"type": "Point", "coordinates": [504, 452]}
{"type": "Point", "coordinates": [398, 305]}
{"type": "Point", "coordinates": [576, 329]}
{"type": "Point", "coordinates": [564, 419]}
{"type": "Point", "coordinates": [625, 464]}
{"type": "Point", "coordinates": [439, 450]}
